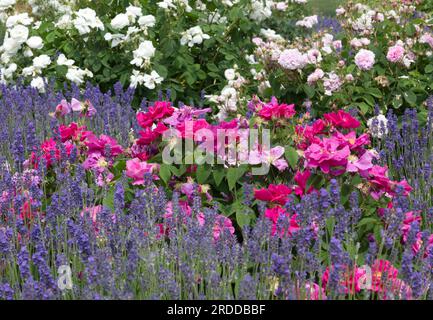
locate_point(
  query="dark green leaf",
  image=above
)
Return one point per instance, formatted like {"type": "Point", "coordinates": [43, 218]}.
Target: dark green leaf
{"type": "Point", "coordinates": [218, 175]}
{"type": "Point", "coordinates": [164, 172]}
{"type": "Point", "coordinates": [202, 173]}
{"type": "Point", "coordinates": [410, 97]}
{"type": "Point", "coordinates": [291, 156]}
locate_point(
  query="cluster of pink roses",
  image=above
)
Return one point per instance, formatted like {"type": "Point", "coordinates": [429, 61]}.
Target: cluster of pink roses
{"type": "Point", "coordinates": [98, 152]}
{"type": "Point", "coordinates": [326, 146]}
{"type": "Point", "coordinates": [411, 217]}
{"type": "Point", "coordinates": [85, 109]}
{"type": "Point", "coordinates": [330, 146]}
{"type": "Point", "coordinates": [278, 195]}
{"type": "Point", "coordinates": [274, 110]}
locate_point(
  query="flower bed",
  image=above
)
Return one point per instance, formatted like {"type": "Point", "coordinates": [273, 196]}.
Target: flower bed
{"type": "Point", "coordinates": [306, 178]}
{"type": "Point", "coordinates": [78, 190]}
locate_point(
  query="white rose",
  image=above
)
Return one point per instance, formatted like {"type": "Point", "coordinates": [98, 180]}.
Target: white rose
{"type": "Point", "coordinates": [9, 71]}
{"type": "Point", "coordinates": [147, 21]}
{"type": "Point", "coordinates": [86, 20]}
{"type": "Point", "coordinates": [41, 62]}
{"type": "Point", "coordinates": [133, 11]}
{"type": "Point", "coordinates": [230, 74]}
{"type": "Point", "coordinates": [28, 53]}
{"type": "Point", "coordinates": [4, 4]}
{"type": "Point", "coordinates": [64, 21]}
{"type": "Point", "coordinates": [35, 42]}
{"type": "Point", "coordinates": [340, 11]}
{"type": "Point", "coordinates": [22, 18]}
{"type": "Point", "coordinates": [145, 51]}
{"type": "Point", "coordinates": [63, 61]}
{"type": "Point", "coordinates": [136, 79]}
{"type": "Point", "coordinates": [19, 33]}
{"type": "Point", "coordinates": [120, 21]}
{"type": "Point", "coordinates": [77, 75]}
{"type": "Point", "coordinates": [115, 39]}
{"type": "Point", "coordinates": [152, 79]}
{"type": "Point", "coordinates": [193, 36]}
{"type": "Point", "coordinates": [11, 46]}
{"type": "Point", "coordinates": [271, 34]}
{"type": "Point", "coordinates": [28, 71]}
{"type": "Point", "coordinates": [38, 83]}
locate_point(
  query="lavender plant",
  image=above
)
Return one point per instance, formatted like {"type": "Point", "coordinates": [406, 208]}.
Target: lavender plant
{"type": "Point", "coordinates": [122, 241]}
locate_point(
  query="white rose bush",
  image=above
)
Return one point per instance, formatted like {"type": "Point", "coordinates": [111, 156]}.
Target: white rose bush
{"type": "Point", "coordinates": [136, 44]}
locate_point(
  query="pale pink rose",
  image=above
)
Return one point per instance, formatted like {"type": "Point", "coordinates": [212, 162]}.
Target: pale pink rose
{"type": "Point", "coordinates": [136, 169]}
{"type": "Point", "coordinates": [76, 105]}
{"type": "Point", "coordinates": [360, 164]}
{"type": "Point", "coordinates": [266, 156]}
{"type": "Point", "coordinates": [427, 38]}
{"type": "Point", "coordinates": [63, 108]}
{"type": "Point", "coordinates": [281, 6]}
{"type": "Point", "coordinates": [395, 54]}
{"type": "Point", "coordinates": [314, 56]}
{"type": "Point", "coordinates": [365, 59]}
{"type": "Point", "coordinates": [292, 59]}
{"type": "Point", "coordinates": [337, 45]}
{"type": "Point", "coordinates": [315, 76]}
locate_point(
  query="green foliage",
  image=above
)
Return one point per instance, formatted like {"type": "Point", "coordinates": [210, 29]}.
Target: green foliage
{"type": "Point", "coordinates": [186, 70]}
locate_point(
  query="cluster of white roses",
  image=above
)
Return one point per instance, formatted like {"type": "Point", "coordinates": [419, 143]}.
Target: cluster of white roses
{"type": "Point", "coordinates": [5, 5]}
{"type": "Point", "coordinates": [173, 6]}
{"type": "Point", "coordinates": [132, 27]}
{"type": "Point", "coordinates": [129, 26]}
{"type": "Point", "coordinates": [128, 29]}
{"type": "Point", "coordinates": [17, 38]}
{"type": "Point", "coordinates": [74, 74]}
{"type": "Point", "coordinates": [142, 56]}
{"type": "Point", "coordinates": [308, 22]}
{"type": "Point", "coordinates": [229, 98]}
{"type": "Point", "coordinates": [59, 7]}
{"type": "Point", "coordinates": [193, 36]}
{"type": "Point", "coordinates": [262, 9]}
{"type": "Point", "coordinates": [260, 76]}
{"type": "Point", "coordinates": [84, 21]}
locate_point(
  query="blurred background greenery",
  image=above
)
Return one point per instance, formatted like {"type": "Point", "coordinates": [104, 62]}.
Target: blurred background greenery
{"type": "Point", "coordinates": [325, 7]}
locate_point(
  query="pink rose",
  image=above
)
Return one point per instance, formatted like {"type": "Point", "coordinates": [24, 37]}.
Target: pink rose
{"type": "Point", "coordinates": [365, 59]}
{"type": "Point", "coordinates": [98, 145]}
{"type": "Point", "coordinates": [395, 53]}
{"type": "Point", "coordinates": [221, 223]}
{"type": "Point", "coordinates": [136, 169]}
